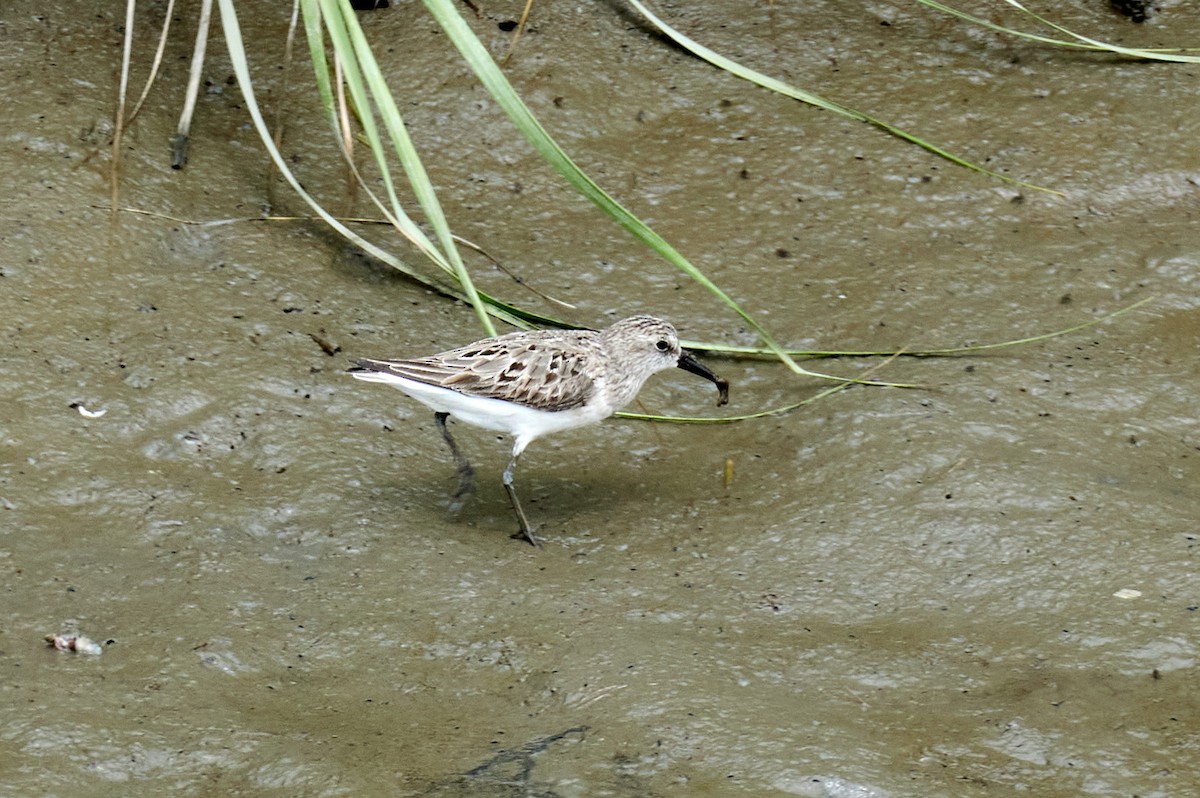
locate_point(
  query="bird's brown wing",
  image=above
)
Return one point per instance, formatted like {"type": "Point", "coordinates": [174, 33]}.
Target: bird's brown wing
{"type": "Point", "coordinates": [529, 371]}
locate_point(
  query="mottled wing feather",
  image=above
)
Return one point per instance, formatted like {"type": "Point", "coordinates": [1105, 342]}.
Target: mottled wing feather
{"type": "Point", "coordinates": [542, 374]}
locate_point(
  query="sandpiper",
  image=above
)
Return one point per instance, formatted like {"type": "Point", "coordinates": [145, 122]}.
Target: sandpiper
{"type": "Point", "coordinates": [531, 383]}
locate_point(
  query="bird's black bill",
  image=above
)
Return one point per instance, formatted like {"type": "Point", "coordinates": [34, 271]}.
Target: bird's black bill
{"type": "Point", "coordinates": [689, 363]}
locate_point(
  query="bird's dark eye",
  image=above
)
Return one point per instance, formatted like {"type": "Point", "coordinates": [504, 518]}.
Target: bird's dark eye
{"type": "Point", "coordinates": [662, 346]}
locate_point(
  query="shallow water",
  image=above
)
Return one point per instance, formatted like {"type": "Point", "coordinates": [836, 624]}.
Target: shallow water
{"type": "Point", "coordinates": [899, 592]}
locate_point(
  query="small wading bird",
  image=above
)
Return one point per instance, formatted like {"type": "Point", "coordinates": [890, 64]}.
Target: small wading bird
{"type": "Point", "coordinates": [529, 384]}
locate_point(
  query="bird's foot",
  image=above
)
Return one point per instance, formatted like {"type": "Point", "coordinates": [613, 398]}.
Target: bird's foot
{"type": "Point", "coordinates": [527, 536]}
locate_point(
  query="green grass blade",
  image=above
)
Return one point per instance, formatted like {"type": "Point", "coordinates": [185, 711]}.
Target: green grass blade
{"type": "Point", "coordinates": [241, 70]}
{"type": "Point", "coordinates": [395, 215]}
{"type": "Point", "coordinates": [1132, 52]}
{"type": "Point", "coordinates": [342, 45]}
{"type": "Point", "coordinates": [767, 82]}
{"type": "Point", "coordinates": [754, 351]}
{"type": "Point", "coordinates": [1080, 43]}
{"type": "Point", "coordinates": [409, 159]}
{"type": "Point", "coordinates": [311, 14]}
{"type": "Point", "coordinates": [368, 90]}
{"type": "Point", "coordinates": [237, 54]}
{"type": "Point", "coordinates": [497, 84]}
{"type": "Point", "coordinates": [331, 14]}
{"type": "Point", "coordinates": [1000, 28]}
{"type": "Point", "coordinates": [775, 411]}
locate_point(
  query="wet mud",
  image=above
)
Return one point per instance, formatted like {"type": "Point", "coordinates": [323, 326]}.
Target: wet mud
{"type": "Point", "coordinates": [983, 586]}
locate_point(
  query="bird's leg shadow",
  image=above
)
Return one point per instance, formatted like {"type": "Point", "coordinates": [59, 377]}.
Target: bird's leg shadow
{"type": "Point", "coordinates": [466, 474]}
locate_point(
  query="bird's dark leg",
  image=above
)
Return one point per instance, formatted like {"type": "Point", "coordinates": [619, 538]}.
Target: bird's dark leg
{"type": "Point", "coordinates": [512, 496]}
{"type": "Point", "coordinates": [466, 474]}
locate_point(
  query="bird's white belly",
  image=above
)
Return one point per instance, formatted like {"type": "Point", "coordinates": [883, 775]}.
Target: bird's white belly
{"type": "Point", "coordinates": [498, 415]}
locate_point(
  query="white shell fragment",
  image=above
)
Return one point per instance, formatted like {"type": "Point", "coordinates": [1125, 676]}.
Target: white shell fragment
{"type": "Point", "coordinates": [83, 411]}
{"type": "Point", "coordinates": [76, 643]}
{"type": "Point", "coordinates": [1127, 593]}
